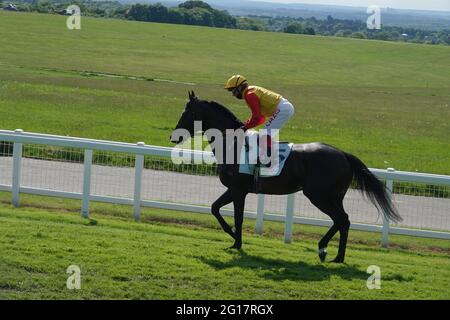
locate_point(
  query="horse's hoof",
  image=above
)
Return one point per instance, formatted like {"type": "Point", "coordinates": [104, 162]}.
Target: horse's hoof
{"type": "Point", "coordinates": [338, 260]}
{"type": "Point", "coordinates": [236, 246]}
{"type": "Point", "coordinates": [322, 254]}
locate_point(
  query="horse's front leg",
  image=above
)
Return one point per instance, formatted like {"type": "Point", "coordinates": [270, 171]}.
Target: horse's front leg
{"type": "Point", "coordinates": [239, 204]}
{"type": "Point", "coordinates": [223, 200]}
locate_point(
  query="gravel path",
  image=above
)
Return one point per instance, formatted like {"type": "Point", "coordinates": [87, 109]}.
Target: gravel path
{"type": "Point", "coordinates": [418, 212]}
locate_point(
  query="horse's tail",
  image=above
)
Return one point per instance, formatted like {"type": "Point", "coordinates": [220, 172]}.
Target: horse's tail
{"type": "Point", "coordinates": [373, 188]}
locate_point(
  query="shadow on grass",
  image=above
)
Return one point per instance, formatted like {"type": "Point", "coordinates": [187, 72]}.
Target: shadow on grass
{"type": "Point", "coordinates": [278, 269]}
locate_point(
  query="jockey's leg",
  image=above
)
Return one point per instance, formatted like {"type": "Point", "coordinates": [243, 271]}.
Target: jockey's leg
{"type": "Point", "coordinates": [282, 114]}
{"type": "Point", "coordinates": [265, 148]}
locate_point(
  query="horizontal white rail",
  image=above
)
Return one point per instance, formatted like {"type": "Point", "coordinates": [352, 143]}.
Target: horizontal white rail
{"type": "Point", "coordinates": [228, 212]}
{"type": "Point", "coordinates": [18, 138]}
{"type": "Point", "coordinates": [166, 152]}
{"type": "Point", "coordinates": [412, 176]}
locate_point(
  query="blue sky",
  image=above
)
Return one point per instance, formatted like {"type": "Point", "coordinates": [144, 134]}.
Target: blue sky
{"type": "Point", "coordinates": [441, 5]}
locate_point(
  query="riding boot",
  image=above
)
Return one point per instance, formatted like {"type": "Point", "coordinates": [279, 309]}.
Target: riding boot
{"type": "Point", "coordinates": [256, 176]}
{"type": "Point", "coordinates": [265, 151]}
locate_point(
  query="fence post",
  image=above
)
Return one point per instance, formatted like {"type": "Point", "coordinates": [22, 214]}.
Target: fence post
{"type": "Point", "coordinates": [289, 218]}
{"type": "Point", "coordinates": [17, 170]}
{"type": "Point", "coordinates": [139, 167]}
{"type": "Point", "coordinates": [385, 232]}
{"type": "Point", "coordinates": [86, 182]}
{"type": "Point", "coordinates": [260, 214]}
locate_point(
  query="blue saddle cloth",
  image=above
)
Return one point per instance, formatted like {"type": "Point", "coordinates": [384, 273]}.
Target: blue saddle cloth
{"type": "Point", "coordinates": [284, 149]}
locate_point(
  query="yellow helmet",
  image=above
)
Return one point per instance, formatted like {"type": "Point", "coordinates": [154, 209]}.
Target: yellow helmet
{"type": "Point", "coordinates": [235, 81]}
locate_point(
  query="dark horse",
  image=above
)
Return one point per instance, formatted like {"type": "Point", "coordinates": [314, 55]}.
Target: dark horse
{"type": "Point", "coordinates": [323, 172]}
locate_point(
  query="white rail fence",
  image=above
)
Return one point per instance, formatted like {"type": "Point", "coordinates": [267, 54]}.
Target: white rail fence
{"type": "Point", "coordinates": [144, 176]}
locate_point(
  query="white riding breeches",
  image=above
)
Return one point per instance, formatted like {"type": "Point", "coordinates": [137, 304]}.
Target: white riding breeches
{"type": "Point", "coordinates": [284, 111]}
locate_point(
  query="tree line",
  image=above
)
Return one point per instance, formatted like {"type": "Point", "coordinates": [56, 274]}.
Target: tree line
{"type": "Point", "coordinates": [201, 13]}
{"type": "Point", "coordinates": [355, 29]}
{"type": "Point", "coordinates": [189, 12]}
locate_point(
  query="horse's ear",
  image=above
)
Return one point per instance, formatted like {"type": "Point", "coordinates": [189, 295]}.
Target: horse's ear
{"type": "Point", "coordinates": [192, 95]}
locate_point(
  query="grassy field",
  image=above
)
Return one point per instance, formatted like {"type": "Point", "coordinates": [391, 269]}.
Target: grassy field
{"type": "Point", "coordinates": [173, 255]}
{"type": "Point", "coordinates": [388, 103]}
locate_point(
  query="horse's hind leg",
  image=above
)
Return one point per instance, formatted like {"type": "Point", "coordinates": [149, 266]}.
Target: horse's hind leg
{"type": "Point", "coordinates": [331, 205]}
{"type": "Point", "coordinates": [323, 243]}
{"type": "Point", "coordinates": [223, 200]}
{"type": "Point", "coordinates": [343, 231]}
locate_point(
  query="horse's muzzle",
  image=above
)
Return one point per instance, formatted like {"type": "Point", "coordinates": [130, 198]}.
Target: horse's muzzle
{"type": "Point", "coordinates": [174, 140]}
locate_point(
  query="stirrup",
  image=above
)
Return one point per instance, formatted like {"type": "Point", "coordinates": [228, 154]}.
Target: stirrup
{"type": "Point", "coordinates": [260, 164]}
{"type": "Point", "coordinates": [267, 156]}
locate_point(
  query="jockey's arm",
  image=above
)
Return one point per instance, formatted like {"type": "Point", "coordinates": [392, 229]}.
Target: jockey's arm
{"type": "Point", "coordinates": [257, 117]}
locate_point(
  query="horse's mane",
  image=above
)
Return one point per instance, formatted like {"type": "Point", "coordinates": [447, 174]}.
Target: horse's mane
{"type": "Point", "coordinates": [224, 110]}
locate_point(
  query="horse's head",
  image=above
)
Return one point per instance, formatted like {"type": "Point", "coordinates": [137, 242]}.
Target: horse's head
{"type": "Point", "coordinates": [185, 124]}
{"type": "Point", "coordinates": [211, 114]}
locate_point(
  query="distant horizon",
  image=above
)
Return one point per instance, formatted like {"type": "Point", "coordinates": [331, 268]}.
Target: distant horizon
{"type": "Point", "coordinates": [430, 5]}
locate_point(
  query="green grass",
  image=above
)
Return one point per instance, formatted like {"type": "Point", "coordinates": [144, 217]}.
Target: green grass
{"type": "Point", "coordinates": [388, 103]}
{"type": "Point", "coordinates": [207, 55]}
{"type": "Point", "coordinates": [175, 255]}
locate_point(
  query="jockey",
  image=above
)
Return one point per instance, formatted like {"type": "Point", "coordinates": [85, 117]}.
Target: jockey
{"type": "Point", "coordinates": [267, 107]}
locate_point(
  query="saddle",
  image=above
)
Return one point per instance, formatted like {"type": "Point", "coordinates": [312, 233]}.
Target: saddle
{"type": "Point", "coordinates": [249, 160]}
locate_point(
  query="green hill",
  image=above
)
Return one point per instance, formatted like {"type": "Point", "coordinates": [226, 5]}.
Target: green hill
{"type": "Point", "coordinates": [386, 102]}
{"type": "Point", "coordinates": [206, 55]}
